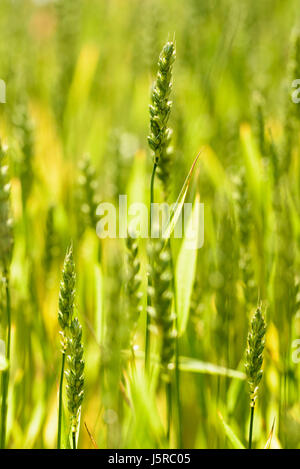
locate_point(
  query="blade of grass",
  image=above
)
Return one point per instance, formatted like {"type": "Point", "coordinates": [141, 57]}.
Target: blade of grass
{"type": "Point", "coordinates": [196, 366]}
{"type": "Point", "coordinates": [269, 441]}
{"type": "Point", "coordinates": [234, 440]}
{"type": "Point", "coordinates": [186, 270]}
{"type": "Point", "coordinates": [176, 209]}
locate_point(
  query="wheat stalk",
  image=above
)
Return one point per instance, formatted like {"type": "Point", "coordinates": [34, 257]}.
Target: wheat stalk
{"type": "Point", "coordinates": [133, 287]}
{"type": "Point", "coordinates": [160, 107]}
{"type": "Point", "coordinates": [88, 192]}
{"type": "Point", "coordinates": [74, 375]}
{"type": "Point", "coordinates": [260, 121]}
{"type": "Point", "coordinates": [51, 248]}
{"type": "Point", "coordinates": [162, 296]}
{"type": "Point", "coordinates": [68, 14]}
{"type": "Point", "coordinates": [25, 131]}
{"type": "Point", "coordinates": [254, 361]}
{"type": "Point", "coordinates": [159, 139]}
{"type": "Point", "coordinates": [226, 295]}
{"type": "Point", "coordinates": [6, 249]}
{"type": "Point", "coordinates": [160, 311]}
{"type": "Point", "coordinates": [65, 317]}
{"type": "Point", "coordinates": [6, 224]}
{"type": "Point", "coordinates": [245, 232]}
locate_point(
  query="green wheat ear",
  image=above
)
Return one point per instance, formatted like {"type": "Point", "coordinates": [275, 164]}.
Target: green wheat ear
{"type": "Point", "coordinates": [254, 353]}
{"type": "Point", "coordinates": [51, 249]}
{"type": "Point", "coordinates": [133, 283]}
{"type": "Point", "coordinates": [245, 218]}
{"type": "Point", "coordinates": [67, 292]}
{"type": "Point", "coordinates": [260, 121]}
{"type": "Point", "coordinates": [25, 132]}
{"type": "Point", "coordinates": [65, 317]}
{"type": "Point", "coordinates": [160, 135]}
{"type": "Point", "coordinates": [71, 333]}
{"type": "Point", "coordinates": [161, 303]}
{"type": "Point", "coordinates": [74, 375]}
{"type": "Point", "coordinates": [6, 224]}
{"type": "Point", "coordinates": [88, 188]}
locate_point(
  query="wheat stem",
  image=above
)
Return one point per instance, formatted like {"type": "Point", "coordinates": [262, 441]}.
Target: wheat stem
{"type": "Point", "coordinates": [74, 440]}
{"type": "Point", "coordinates": [133, 282]}
{"type": "Point", "coordinates": [169, 408]}
{"type": "Point", "coordinates": [60, 400]}
{"type": "Point", "coordinates": [254, 361]}
{"type": "Point", "coordinates": [177, 371]}
{"type": "Point", "coordinates": [159, 142]}
{"type": "Point", "coordinates": [6, 250]}
{"type": "Point", "coordinates": [148, 318]}
{"type": "Point", "coordinates": [251, 427]}
{"type": "Point", "coordinates": [5, 375]}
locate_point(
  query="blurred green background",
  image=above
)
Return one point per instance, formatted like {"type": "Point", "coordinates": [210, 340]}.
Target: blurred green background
{"type": "Point", "coordinates": [78, 76]}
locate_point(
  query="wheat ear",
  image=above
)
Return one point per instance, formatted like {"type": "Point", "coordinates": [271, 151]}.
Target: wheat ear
{"type": "Point", "coordinates": [74, 376]}
{"type": "Point", "coordinates": [65, 317]}
{"type": "Point", "coordinates": [254, 360]}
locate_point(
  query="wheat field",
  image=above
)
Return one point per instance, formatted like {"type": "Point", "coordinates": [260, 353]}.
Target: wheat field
{"type": "Point", "coordinates": [133, 342]}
